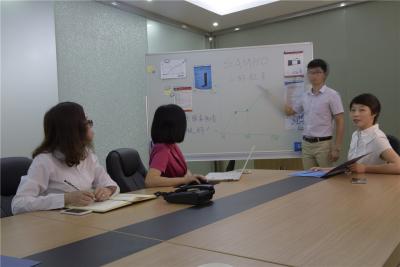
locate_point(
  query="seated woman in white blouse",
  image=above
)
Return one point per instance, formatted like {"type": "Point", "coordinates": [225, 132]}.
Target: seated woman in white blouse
{"type": "Point", "coordinates": [368, 138]}
{"type": "Point", "coordinates": [64, 170]}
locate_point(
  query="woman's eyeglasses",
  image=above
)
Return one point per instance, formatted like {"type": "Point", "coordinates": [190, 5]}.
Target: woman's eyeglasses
{"type": "Point", "coordinates": [89, 123]}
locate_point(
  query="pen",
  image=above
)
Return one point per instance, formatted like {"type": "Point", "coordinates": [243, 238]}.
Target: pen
{"type": "Point", "coordinates": [70, 184]}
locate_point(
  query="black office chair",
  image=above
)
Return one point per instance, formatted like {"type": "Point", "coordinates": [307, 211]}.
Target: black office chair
{"type": "Point", "coordinates": [394, 142]}
{"type": "Point", "coordinates": [11, 171]}
{"type": "Point", "coordinates": [126, 168]}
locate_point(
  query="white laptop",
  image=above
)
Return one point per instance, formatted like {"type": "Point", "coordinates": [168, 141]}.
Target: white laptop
{"type": "Point", "coordinates": [231, 175]}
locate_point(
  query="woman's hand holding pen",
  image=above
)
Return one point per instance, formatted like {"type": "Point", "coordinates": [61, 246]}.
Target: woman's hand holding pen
{"type": "Point", "coordinates": [102, 193]}
{"type": "Point", "coordinates": [79, 198]}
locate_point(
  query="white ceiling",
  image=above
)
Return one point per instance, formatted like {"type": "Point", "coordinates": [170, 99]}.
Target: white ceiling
{"type": "Point", "coordinates": [192, 15]}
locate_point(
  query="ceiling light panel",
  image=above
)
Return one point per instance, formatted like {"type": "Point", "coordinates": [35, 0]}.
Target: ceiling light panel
{"type": "Point", "coordinates": [224, 7]}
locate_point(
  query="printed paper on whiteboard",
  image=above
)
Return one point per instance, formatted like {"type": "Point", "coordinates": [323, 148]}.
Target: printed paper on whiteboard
{"type": "Point", "coordinates": [173, 68]}
{"type": "Point", "coordinates": [183, 97]}
{"type": "Point", "coordinates": [202, 77]}
{"type": "Point", "coordinates": [294, 63]}
{"type": "Point", "coordinates": [294, 94]}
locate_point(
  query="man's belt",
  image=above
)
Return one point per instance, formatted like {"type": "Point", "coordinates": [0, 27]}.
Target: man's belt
{"type": "Point", "coordinates": [311, 139]}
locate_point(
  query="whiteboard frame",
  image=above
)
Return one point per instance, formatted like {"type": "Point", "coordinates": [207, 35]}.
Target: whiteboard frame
{"type": "Point", "coordinates": [192, 157]}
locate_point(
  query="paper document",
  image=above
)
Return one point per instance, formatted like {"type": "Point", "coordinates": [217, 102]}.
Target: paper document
{"type": "Point", "coordinates": [294, 63]}
{"type": "Point", "coordinates": [183, 98]}
{"type": "Point", "coordinates": [202, 77]}
{"type": "Point", "coordinates": [173, 68]}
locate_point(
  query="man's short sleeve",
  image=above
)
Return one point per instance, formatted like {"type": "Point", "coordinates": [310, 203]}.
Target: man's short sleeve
{"type": "Point", "coordinates": [335, 104]}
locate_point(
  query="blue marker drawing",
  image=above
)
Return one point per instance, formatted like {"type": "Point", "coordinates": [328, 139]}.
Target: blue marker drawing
{"type": "Point", "coordinates": [202, 77]}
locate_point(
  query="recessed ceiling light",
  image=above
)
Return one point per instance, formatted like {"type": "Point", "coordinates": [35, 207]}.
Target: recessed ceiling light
{"type": "Point", "coordinates": [236, 29]}
{"type": "Point", "coordinates": [224, 7]}
{"type": "Point", "coordinates": [184, 26]}
{"type": "Point", "coordinates": [149, 0]}
{"type": "Point", "coordinates": [342, 4]}
{"type": "Point", "coordinates": [114, 3]}
{"type": "Point", "coordinates": [215, 24]}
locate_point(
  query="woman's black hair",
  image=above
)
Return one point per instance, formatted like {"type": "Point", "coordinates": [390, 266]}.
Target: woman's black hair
{"type": "Point", "coordinates": [370, 101]}
{"type": "Point", "coordinates": [65, 130]}
{"type": "Point", "coordinates": [169, 124]}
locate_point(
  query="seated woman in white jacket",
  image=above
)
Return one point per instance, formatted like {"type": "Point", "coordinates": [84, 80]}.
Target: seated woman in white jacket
{"type": "Point", "coordinates": [369, 139]}
{"type": "Point", "coordinates": [64, 169]}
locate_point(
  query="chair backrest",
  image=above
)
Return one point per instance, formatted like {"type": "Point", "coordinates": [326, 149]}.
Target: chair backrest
{"type": "Point", "coordinates": [126, 168]}
{"type": "Point", "coordinates": [11, 171]}
{"type": "Point", "coordinates": [394, 142]}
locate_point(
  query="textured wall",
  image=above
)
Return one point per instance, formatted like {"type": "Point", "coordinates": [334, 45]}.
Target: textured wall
{"type": "Point", "coordinates": [166, 38]}
{"type": "Point", "coordinates": [101, 65]}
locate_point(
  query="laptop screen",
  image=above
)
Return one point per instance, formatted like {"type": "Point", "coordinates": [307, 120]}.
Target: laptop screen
{"type": "Point", "coordinates": [248, 158]}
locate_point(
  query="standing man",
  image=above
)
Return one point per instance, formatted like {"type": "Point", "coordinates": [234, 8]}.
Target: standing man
{"type": "Point", "coordinates": [323, 109]}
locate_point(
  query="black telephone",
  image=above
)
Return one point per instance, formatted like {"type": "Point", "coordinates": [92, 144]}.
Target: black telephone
{"type": "Point", "coordinates": [193, 194]}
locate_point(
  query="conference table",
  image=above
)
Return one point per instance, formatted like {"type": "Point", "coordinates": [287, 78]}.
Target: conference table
{"type": "Point", "coordinates": [266, 219]}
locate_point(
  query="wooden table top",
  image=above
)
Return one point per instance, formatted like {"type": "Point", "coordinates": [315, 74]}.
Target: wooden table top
{"type": "Point", "coordinates": [329, 223]}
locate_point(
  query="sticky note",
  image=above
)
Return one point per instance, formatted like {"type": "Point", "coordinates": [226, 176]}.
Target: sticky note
{"type": "Point", "coordinates": [168, 91]}
{"type": "Point", "coordinates": [150, 69]}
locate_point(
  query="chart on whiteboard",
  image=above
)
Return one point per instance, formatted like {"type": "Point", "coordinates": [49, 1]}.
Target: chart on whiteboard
{"type": "Point", "coordinates": [173, 69]}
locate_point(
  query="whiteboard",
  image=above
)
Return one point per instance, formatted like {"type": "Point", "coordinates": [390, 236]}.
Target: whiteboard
{"type": "Point", "coordinates": [232, 98]}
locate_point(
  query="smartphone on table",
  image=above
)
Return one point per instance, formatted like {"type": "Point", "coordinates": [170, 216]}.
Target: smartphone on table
{"type": "Point", "coordinates": [358, 180]}
{"type": "Point", "coordinates": [76, 211]}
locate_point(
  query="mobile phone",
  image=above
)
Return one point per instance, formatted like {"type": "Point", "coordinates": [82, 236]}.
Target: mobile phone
{"type": "Point", "coordinates": [76, 211]}
{"type": "Point", "coordinates": [358, 180]}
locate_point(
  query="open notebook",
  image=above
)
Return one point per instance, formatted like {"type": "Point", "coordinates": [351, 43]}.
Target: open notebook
{"type": "Point", "coordinates": [229, 176]}
{"type": "Point", "coordinates": [114, 202]}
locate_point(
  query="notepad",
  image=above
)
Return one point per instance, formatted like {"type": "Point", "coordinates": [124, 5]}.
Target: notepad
{"type": "Point", "coordinates": [114, 202]}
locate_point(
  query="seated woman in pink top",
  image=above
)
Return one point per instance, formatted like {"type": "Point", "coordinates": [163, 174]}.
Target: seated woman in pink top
{"type": "Point", "coordinates": [167, 164]}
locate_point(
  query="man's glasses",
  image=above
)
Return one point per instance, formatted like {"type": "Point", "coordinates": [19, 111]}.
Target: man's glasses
{"type": "Point", "coordinates": [314, 72]}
